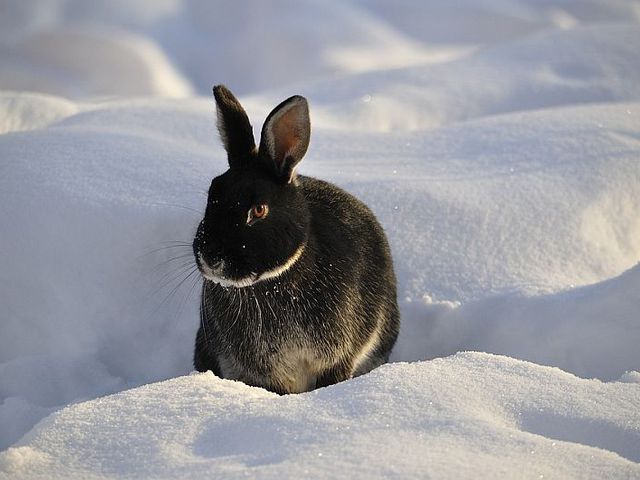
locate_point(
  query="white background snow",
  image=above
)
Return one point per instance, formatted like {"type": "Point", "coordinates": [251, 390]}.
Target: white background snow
{"type": "Point", "coordinates": [498, 142]}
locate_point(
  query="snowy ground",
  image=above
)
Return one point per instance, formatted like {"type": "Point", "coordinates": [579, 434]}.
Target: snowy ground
{"type": "Point", "coordinates": [498, 142]}
{"type": "Point", "coordinates": [473, 415]}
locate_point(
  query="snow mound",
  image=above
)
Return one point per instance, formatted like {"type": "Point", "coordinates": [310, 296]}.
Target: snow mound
{"type": "Point", "coordinates": [591, 331]}
{"type": "Point", "coordinates": [582, 65]}
{"type": "Point", "coordinates": [90, 61]}
{"type": "Point", "coordinates": [103, 205]}
{"type": "Point", "coordinates": [29, 111]}
{"type": "Point", "coordinates": [467, 416]}
{"type": "Point", "coordinates": [534, 202]}
{"type": "Point", "coordinates": [494, 21]}
{"type": "Point", "coordinates": [630, 377]}
{"type": "Point", "coordinates": [255, 46]}
{"type": "Point", "coordinates": [204, 40]}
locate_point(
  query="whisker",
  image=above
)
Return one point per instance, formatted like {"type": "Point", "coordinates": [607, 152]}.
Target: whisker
{"type": "Point", "coordinates": [174, 242]}
{"type": "Point", "coordinates": [166, 262]}
{"type": "Point", "coordinates": [175, 289]}
{"type": "Point", "coordinates": [236, 292]}
{"type": "Point", "coordinates": [259, 318]}
{"type": "Point", "coordinates": [172, 276]}
{"type": "Point", "coordinates": [268, 302]}
{"type": "Point", "coordinates": [159, 284]}
{"type": "Point", "coordinates": [185, 274]}
{"type": "Point", "coordinates": [195, 281]}
{"type": "Point", "coordinates": [175, 205]}
{"type": "Point", "coordinates": [203, 311]}
{"type": "Point", "coordinates": [166, 247]}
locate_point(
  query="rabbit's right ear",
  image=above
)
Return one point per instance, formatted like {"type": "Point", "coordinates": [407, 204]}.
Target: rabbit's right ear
{"type": "Point", "coordinates": [285, 136]}
{"type": "Point", "coordinates": [233, 124]}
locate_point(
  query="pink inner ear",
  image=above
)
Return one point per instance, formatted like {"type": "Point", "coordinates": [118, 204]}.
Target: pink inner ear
{"type": "Point", "coordinates": [285, 134]}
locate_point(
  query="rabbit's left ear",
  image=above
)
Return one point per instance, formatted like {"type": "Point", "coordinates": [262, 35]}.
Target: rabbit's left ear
{"type": "Point", "coordinates": [285, 136]}
{"type": "Point", "coordinates": [234, 127]}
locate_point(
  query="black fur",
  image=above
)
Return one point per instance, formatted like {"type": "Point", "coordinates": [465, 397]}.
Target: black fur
{"type": "Point", "coordinates": [235, 130]}
{"type": "Point", "coordinates": [311, 325]}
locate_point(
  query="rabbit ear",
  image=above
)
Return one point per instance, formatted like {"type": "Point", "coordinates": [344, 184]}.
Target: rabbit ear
{"type": "Point", "coordinates": [285, 136]}
{"type": "Point", "coordinates": [233, 124]}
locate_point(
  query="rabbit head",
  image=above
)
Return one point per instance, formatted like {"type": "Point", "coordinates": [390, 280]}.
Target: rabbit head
{"type": "Point", "coordinates": [256, 222]}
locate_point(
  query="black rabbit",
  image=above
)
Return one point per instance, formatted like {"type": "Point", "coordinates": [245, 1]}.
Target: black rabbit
{"type": "Point", "coordinates": [299, 289]}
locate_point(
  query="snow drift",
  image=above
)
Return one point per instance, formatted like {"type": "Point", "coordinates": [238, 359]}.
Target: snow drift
{"type": "Point", "coordinates": [499, 147]}
{"type": "Point", "coordinates": [96, 200]}
{"type": "Point", "coordinates": [468, 416]}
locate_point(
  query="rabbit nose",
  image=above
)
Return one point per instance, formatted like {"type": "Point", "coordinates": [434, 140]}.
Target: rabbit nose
{"type": "Point", "coordinates": [208, 265]}
{"type": "Point", "coordinates": [213, 260]}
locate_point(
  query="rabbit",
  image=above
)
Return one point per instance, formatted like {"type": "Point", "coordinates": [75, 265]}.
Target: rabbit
{"type": "Point", "coordinates": [299, 290]}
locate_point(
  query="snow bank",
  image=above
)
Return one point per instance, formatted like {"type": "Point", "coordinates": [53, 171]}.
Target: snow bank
{"type": "Point", "coordinates": [498, 143]}
{"type": "Point", "coordinates": [47, 44]}
{"type": "Point", "coordinates": [567, 67]}
{"type": "Point", "coordinates": [592, 331]}
{"type": "Point", "coordinates": [97, 200]}
{"type": "Point", "coordinates": [495, 21]}
{"type": "Point", "coordinates": [205, 41]}
{"type": "Point", "coordinates": [534, 202]}
{"type": "Point", "coordinates": [467, 416]}
{"type": "Point", "coordinates": [28, 111]}
{"type": "Point", "coordinates": [90, 61]}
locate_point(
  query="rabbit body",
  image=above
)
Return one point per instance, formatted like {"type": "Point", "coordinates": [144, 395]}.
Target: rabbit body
{"type": "Point", "coordinates": [299, 288]}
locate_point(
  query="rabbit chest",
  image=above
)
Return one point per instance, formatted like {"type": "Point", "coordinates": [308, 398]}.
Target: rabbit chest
{"type": "Point", "coordinates": [269, 337]}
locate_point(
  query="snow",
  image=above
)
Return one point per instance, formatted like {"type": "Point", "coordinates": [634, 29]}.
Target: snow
{"type": "Point", "coordinates": [470, 415]}
{"type": "Point", "coordinates": [591, 331]}
{"type": "Point", "coordinates": [64, 62]}
{"type": "Point", "coordinates": [586, 64]}
{"type": "Point", "coordinates": [498, 144]}
{"type": "Point", "coordinates": [29, 111]}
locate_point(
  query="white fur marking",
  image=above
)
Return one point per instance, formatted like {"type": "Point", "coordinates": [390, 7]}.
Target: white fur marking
{"type": "Point", "coordinates": [366, 350]}
{"type": "Point", "coordinates": [216, 275]}
{"type": "Point", "coordinates": [207, 271]}
{"type": "Point", "coordinates": [276, 272]}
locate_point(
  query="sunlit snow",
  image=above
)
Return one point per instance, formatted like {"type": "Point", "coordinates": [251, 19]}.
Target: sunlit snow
{"type": "Point", "coordinates": [498, 142]}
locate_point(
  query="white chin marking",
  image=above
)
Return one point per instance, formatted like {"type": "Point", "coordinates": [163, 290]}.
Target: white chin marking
{"type": "Point", "coordinates": [276, 272]}
{"type": "Point", "coordinates": [216, 275]}
{"type": "Point", "coordinates": [228, 282]}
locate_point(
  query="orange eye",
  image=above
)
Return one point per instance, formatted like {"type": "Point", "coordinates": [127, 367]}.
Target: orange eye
{"type": "Point", "coordinates": [259, 211]}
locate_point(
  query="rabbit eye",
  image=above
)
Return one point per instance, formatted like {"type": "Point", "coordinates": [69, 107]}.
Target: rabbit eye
{"type": "Point", "coordinates": [257, 212]}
